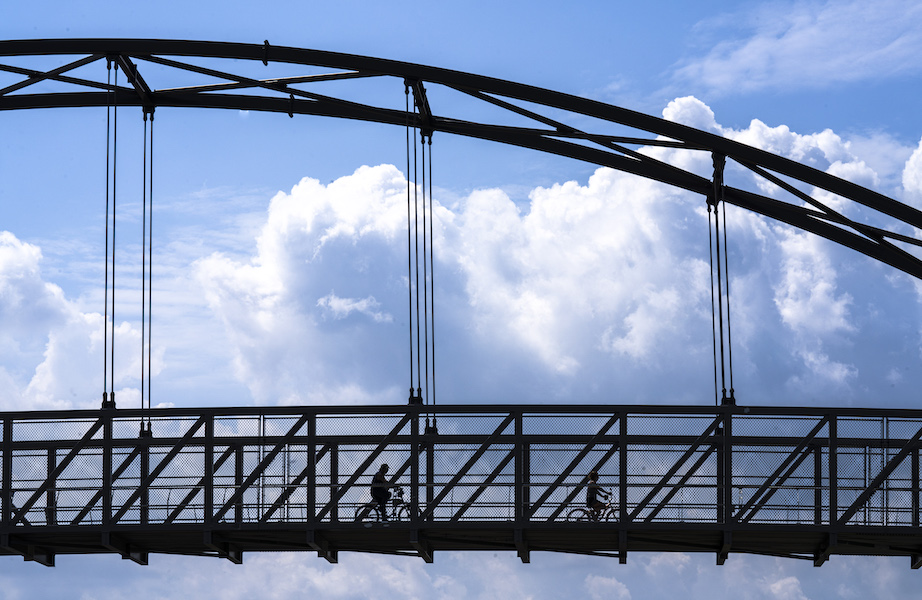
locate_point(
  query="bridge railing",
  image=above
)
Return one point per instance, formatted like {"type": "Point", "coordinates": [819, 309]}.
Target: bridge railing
{"type": "Point", "coordinates": [831, 468]}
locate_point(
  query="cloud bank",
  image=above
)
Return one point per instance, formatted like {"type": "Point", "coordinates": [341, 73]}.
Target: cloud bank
{"type": "Point", "coordinates": [795, 45]}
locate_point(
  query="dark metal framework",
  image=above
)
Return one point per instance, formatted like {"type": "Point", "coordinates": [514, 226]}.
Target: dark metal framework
{"type": "Point", "coordinates": [558, 122]}
{"type": "Point", "coordinates": [791, 482]}
{"type": "Point", "coordinates": [794, 483]}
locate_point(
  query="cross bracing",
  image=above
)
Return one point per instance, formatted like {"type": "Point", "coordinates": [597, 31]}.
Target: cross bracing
{"type": "Point", "coordinates": [795, 483]}
{"type": "Point", "coordinates": [224, 75]}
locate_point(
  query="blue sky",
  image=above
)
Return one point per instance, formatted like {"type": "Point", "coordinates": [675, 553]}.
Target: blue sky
{"type": "Point", "coordinates": [278, 246]}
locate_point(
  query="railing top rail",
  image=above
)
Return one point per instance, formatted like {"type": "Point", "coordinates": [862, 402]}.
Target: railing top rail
{"type": "Point", "coordinates": [526, 410]}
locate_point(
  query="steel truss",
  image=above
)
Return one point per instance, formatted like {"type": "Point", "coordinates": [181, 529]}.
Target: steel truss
{"type": "Point", "coordinates": [798, 483]}
{"type": "Point", "coordinates": [531, 117]}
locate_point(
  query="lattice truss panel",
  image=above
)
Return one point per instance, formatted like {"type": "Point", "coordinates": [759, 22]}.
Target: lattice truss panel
{"type": "Point", "coordinates": [817, 469]}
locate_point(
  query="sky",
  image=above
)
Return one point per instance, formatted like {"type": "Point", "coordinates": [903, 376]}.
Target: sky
{"type": "Point", "coordinates": [280, 248]}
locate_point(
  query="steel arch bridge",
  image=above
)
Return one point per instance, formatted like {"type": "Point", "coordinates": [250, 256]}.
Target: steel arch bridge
{"type": "Point", "coordinates": [798, 483]}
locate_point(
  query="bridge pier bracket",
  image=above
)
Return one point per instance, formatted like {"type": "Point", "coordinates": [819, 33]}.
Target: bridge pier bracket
{"type": "Point", "coordinates": [622, 547]}
{"type": "Point", "coordinates": [224, 549]}
{"type": "Point", "coordinates": [521, 547]}
{"type": "Point", "coordinates": [916, 561]}
{"type": "Point", "coordinates": [422, 546]}
{"type": "Point", "coordinates": [124, 549]}
{"type": "Point", "coordinates": [322, 546]}
{"type": "Point", "coordinates": [28, 552]}
{"type": "Point", "coordinates": [724, 552]}
{"type": "Point", "coordinates": [826, 550]}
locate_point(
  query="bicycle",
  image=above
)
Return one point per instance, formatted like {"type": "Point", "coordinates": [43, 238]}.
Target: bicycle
{"type": "Point", "coordinates": [401, 509]}
{"type": "Point", "coordinates": [609, 512]}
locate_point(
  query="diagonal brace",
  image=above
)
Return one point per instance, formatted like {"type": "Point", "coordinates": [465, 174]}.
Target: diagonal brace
{"type": "Point", "coordinates": [467, 466]}
{"type": "Point", "coordinates": [777, 477]}
{"type": "Point", "coordinates": [80, 445]}
{"type": "Point", "coordinates": [884, 473]}
{"type": "Point", "coordinates": [704, 437]}
{"type": "Point", "coordinates": [159, 468]}
{"type": "Point", "coordinates": [266, 461]}
{"type": "Point", "coordinates": [364, 466]}
{"type": "Point", "coordinates": [575, 462]}
{"type": "Point", "coordinates": [115, 475]}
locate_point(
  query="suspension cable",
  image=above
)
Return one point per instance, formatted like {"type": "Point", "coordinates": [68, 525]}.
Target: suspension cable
{"type": "Point", "coordinates": [416, 238]}
{"type": "Point", "coordinates": [432, 278]}
{"type": "Point", "coordinates": [425, 270]}
{"type": "Point", "coordinates": [143, 258]}
{"type": "Point", "coordinates": [406, 91]}
{"type": "Point", "coordinates": [713, 307]}
{"type": "Point", "coordinates": [105, 302]}
{"type": "Point", "coordinates": [114, 202]}
{"type": "Point", "coordinates": [720, 302]}
{"type": "Point", "coordinates": [731, 399]}
{"type": "Point", "coordinates": [150, 274]}
{"type": "Point", "coordinates": [146, 280]}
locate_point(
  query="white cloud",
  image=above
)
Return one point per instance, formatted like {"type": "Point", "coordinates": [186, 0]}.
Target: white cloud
{"type": "Point", "coordinates": [808, 45]}
{"type": "Point", "coordinates": [912, 177]}
{"type": "Point", "coordinates": [340, 308]}
{"type": "Point", "coordinates": [787, 588]}
{"type": "Point", "coordinates": [49, 346]}
{"type": "Point", "coordinates": [606, 588]}
{"type": "Point", "coordinates": [586, 288]}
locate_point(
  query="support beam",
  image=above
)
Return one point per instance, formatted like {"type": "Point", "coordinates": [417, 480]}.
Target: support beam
{"type": "Point", "coordinates": [125, 549]}
{"type": "Point", "coordinates": [29, 552]}
{"type": "Point", "coordinates": [422, 546]}
{"type": "Point", "coordinates": [223, 548]}
{"type": "Point", "coordinates": [322, 546]}
{"type": "Point", "coordinates": [826, 550]}
{"type": "Point", "coordinates": [724, 551]}
{"type": "Point", "coordinates": [521, 546]}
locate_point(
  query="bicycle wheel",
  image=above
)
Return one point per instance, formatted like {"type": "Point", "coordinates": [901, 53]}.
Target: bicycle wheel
{"type": "Point", "coordinates": [366, 513]}
{"type": "Point", "coordinates": [579, 514]}
{"type": "Point", "coordinates": [405, 512]}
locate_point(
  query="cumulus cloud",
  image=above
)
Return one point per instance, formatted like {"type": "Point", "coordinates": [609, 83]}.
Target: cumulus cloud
{"type": "Point", "coordinates": [587, 287]}
{"type": "Point", "coordinates": [912, 177]}
{"type": "Point", "coordinates": [791, 45]}
{"type": "Point", "coordinates": [50, 347]}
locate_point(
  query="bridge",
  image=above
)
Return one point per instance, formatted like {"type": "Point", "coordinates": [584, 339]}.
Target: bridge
{"type": "Point", "coordinates": [788, 482]}
{"type": "Point", "coordinates": [794, 483]}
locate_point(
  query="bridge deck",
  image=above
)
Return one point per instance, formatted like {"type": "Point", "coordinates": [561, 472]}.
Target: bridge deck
{"type": "Point", "coordinates": [800, 483]}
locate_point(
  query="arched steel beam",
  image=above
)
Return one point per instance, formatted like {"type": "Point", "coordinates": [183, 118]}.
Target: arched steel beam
{"type": "Point", "coordinates": [553, 136]}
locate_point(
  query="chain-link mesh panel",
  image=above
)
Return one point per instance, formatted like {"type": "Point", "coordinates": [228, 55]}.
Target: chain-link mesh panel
{"type": "Point", "coordinates": [473, 424]}
{"type": "Point", "coordinates": [775, 427]}
{"type": "Point", "coordinates": [860, 428]}
{"type": "Point", "coordinates": [458, 483]}
{"type": "Point", "coordinates": [656, 495]}
{"type": "Point", "coordinates": [565, 423]}
{"type": "Point", "coordinates": [693, 425]}
{"type": "Point", "coordinates": [358, 424]}
{"type": "Point", "coordinates": [763, 492]}
{"type": "Point", "coordinates": [59, 430]}
{"type": "Point", "coordinates": [175, 427]}
{"type": "Point", "coordinates": [232, 427]}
